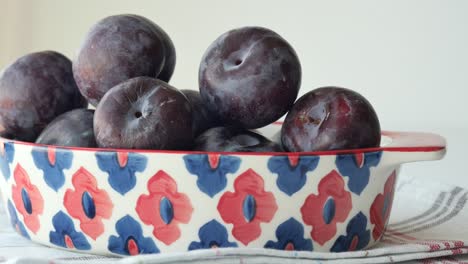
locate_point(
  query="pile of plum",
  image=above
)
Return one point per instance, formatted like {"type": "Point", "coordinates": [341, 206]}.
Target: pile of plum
{"type": "Point", "coordinates": [248, 78]}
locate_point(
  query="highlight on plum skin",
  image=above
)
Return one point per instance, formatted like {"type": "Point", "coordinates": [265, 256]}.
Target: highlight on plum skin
{"type": "Point", "coordinates": [330, 118]}
{"type": "Point", "coordinates": [144, 113]}
{"type": "Point", "coordinates": [71, 129]}
{"type": "Point", "coordinates": [118, 48]}
{"type": "Point", "coordinates": [35, 89]}
{"type": "Point", "coordinates": [203, 118]}
{"type": "Point", "coordinates": [250, 76]}
{"type": "Point", "coordinates": [230, 139]}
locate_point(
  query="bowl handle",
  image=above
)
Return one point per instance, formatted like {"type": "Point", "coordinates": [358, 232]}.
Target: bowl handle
{"type": "Point", "coordinates": [414, 146]}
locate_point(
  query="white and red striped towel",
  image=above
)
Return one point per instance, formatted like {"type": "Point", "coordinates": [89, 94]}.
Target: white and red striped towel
{"type": "Point", "coordinates": [429, 224]}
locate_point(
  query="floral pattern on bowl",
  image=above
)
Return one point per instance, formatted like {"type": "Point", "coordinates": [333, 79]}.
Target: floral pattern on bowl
{"type": "Point", "coordinates": [127, 202]}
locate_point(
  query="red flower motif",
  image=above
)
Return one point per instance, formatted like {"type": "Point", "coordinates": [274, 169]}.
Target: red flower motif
{"type": "Point", "coordinates": [88, 203]}
{"type": "Point", "coordinates": [325, 210]}
{"type": "Point", "coordinates": [27, 198]}
{"type": "Point", "coordinates": [380, 209]}
{"type": "Point", "coordinates": [164, 208]}
{"type": "Point", "coordinates": [247, 206]}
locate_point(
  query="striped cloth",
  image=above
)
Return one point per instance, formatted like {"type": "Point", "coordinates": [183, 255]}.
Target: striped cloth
{"type": "Point", "coordinates": [428, 224]}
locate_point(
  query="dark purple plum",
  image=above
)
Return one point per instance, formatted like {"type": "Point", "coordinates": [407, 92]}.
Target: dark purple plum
{"type": "Point", "coordinates": [251, 76]}
{"type": "Point", "coordinates": [119, 48]}
{"type": "Point", "coordinates": [203, 118]}
{"type": "Point", "coordinates": [144, 113]}
{"type": "Point", "coordinates": [34, 90]}
{"type": "Point", "coordinates": [70, 129]}
{"type": "Point", "coordinates": [330, 118]}
{"type": "Point", "coordinates": [170, 58]}
{"type": "Point", "coordinates": [170, 53]}
{"type": "Point", "coordinates": [231, 139]}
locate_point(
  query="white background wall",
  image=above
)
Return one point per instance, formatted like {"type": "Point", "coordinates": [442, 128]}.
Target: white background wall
{"type": "Point", "coordinates": [408, 57]}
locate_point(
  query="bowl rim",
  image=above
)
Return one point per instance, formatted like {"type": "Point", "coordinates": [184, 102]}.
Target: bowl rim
{"type": "Point", "coordinates": [429, 148]}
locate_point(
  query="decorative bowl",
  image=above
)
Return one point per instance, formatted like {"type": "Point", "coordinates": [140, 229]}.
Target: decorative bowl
{"type": "Point", "coordinates": [128, 202]}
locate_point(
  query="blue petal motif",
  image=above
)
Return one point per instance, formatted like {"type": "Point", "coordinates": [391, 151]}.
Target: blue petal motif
{"type": "Point", "coordinates": [129, 229]}
{"type": "Point", "coordinates": [63, 225]}
{"type": "Point", "coordinates": [357, 236]}
{"type": "Point", "coordinates": [53, 173]}
{"type": "Point", "coordinates": [122, 179]}
{"type": "Point", "coordinates": [6, 159]}
{"type": "Point", "coordinates": [212, 234]}
{"type": "Point", "coordinates": [292, 178]}
{"type": "Point", "coordinates": [26, 201]}
{"type": "Point", "coordinates": [329, 210]}
{"type": "Point", "coordinates": [88, 205]}
{"type": "Point", "coordinates": [358, 176]}
{"type": "Point", "coordinates": [249, 208]}
{"type": "Point", "coordinates": [290, 232]}
{"type": "Point", "coordinates": [166, 211]}
{"type": "Point", "coordinates": [15, 222]}
{"type": "Point", "coordinates": [211, 180]}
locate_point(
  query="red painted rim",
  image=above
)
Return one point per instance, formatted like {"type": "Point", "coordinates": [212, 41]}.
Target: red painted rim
{"type": "Point", "coordinates": [428, 148]}
{"type": "Point", "coordinates": [312, 153]}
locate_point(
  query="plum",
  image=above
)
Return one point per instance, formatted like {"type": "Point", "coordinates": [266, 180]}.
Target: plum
{"type": "Point", "coordinates": [34, 90]}
{"type": "Point", "coordinates": [119, 48]}
{"type": "Point", "coordinates": [71, 129]}
{"type": "Point", "coordinates": [233, 139]}
{"type": "Point", "coordinates": [170, 58]}
{"type": "Point", "coordinates": [203, 118]}
{"type": "Point", "coordinates": [251, 76]}
{"type": "Point", "coordinates": [330, 118]}
{"type": "Point", "coordinates": [144, 113]}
